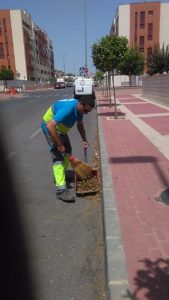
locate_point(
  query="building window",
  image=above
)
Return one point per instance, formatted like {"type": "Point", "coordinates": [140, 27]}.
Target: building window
{"type": "Point", "coordinates": [4, 24]}
{"type": "Point", "coordinates": [1, 50]}
{"type": "Point", "coordinates": [26, 25]}
{"type": "Point", "coordinates": [136, 19]}
{"type": "Point", "coordinates": [7, 49]}
{"type": "Point", "coordinates": [0, 28]}
{"type": "Point", "coordinates": [6, 38]}
{"type": "Point", "coordinates": [141, 44]}
{"type": "Point", "coordinates": [142, 19]}
{"type": "Point", "coordinates": [135, 27]}
{"type": "Point", "coordinates": [150, 13]}
{"type": "Point", "coordinates": [150, 31]}
{"type": "Point", "coordinates": [149, 51]}
{"type": "Point", "coordinates": [141, 41]}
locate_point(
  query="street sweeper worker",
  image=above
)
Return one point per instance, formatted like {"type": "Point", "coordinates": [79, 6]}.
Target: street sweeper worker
{"type": "Point", "coordinates": [57, 121]}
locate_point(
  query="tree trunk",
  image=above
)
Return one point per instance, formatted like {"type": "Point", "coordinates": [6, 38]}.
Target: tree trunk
{"type": "Point", "coordinates": [114, 92]}
{"type": "Point", "coordinates": [109, 89]}
{"type": "Point", "coordinates": [5, 85]}
{"type": "Point", "coordinates": [107, 95]}
{"type": "Point", "coordinates": [104, 86]}
{"type": "Point", "coordinates": [130, 79]}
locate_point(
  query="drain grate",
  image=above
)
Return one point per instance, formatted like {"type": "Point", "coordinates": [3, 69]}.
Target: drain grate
{"type": "Point", "coordinates": [164, 197]}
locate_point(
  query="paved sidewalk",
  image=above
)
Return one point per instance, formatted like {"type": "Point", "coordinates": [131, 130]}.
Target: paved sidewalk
{"type": "Point", "coordinates": [135, 170]}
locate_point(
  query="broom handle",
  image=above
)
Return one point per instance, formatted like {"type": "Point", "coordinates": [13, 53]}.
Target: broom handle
{"type": "Point", "coordinates": [85, 155]}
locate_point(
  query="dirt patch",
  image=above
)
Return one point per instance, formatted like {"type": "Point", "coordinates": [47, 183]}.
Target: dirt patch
{"type": "Point", "coordinates": [90, 188]}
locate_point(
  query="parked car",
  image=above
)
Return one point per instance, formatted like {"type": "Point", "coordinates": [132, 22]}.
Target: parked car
{"type": "Point", "coordinates": [70, 83]}
{"type": "Point", "coordinates": [63, 85]}
{"type": "Point", "coordinates": [59, 85]}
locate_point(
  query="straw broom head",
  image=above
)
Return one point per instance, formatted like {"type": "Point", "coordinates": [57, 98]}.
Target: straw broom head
{"type": "Point", "coordinates": [82, 169]}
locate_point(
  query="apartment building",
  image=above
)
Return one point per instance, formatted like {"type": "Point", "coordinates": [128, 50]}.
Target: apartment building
{"type": "Point", "coordinates": [24, 47]}
{"type": "Point", "coordinates": [144, 24]}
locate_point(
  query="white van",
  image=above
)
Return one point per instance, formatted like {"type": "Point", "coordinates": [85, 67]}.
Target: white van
{"type": "Point", "coordinates": [83, 86]}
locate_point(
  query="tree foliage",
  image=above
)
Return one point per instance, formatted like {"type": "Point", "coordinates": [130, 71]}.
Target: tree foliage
{"type": "Point", "coordinates": [133, 62]}
{"type": "Point", "coordinates": [108, 52]}
{"type": "Point", "coordinates": [158, 61]}
{"type": "Point", "coordinates": [99, 76]}
{"type": "Point", "coordinates": [6, 74]}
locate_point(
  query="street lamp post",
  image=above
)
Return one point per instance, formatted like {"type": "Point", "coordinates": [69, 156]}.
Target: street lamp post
{"type": "Point", "coordinates": [85, 32]}
{"type": "Point", "coordinates": [64, 64]}
{"type": "Point", "coordinates": [74, 69]}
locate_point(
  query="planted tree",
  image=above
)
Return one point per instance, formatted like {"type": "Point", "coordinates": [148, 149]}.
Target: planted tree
{"type": "Point", "coordinates": [158, 61]}
{"type": "Point", "coordinates": [132, 63]}
{"type": "Point", "coordinates": [98, 57]}
{"type": "Point", "coordinates": [5, 75]}
{"type": "Point", "coordinates": [99, 76]}
{"type": "Point", "coordinates": [107, 54]}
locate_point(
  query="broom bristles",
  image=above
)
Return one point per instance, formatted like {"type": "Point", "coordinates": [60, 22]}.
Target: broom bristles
{"type": "Point", "coordinates": [82, 169]}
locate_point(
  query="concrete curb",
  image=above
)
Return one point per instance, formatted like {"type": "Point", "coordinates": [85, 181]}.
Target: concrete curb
{"type": "Point", "coordinates": [116, 272]}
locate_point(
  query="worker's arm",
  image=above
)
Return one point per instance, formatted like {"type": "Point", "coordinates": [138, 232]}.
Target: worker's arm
{"type": "Point", "coordinates": [51, 126]}
{"type": "Point", "coordinates": [81, 129]}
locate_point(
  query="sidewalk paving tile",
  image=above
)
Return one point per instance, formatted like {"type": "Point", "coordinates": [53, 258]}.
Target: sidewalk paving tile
{"type": "Point", "coordinates": [159, 123]}
{"type": "Point", "coordinates": [145, 108]}
{"type": "Point", "coordinates": [131, 100]}
{"type": "Point", "coordinates": [140, 172]}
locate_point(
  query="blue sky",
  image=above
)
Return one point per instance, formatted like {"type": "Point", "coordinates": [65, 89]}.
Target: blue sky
{"type": "Point", "coordinates": [64, 23]}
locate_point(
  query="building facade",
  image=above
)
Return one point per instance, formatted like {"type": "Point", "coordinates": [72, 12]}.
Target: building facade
{"type": "Point", "coordinates": [24, 47]}
{"type": "Point", "coordinates": [144, 24]}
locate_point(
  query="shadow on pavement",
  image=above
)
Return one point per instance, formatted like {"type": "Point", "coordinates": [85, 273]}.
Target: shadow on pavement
{"type": "Point", "coordinates": [107, 104]}
{"type": "Point", "coordinates": [141, 159]}
{"type": "Point", "coordinates": [152, 280]}
{"type": "Point", "coordinates": [111, 114]}
{"type": "Point", "coordinates": [16, 281]}
{"type": "Point", "coordinates": [133, 159]}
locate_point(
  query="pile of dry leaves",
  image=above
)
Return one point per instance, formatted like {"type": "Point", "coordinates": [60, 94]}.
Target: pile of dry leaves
{"type": "Point", "coordinates": [90, 188]}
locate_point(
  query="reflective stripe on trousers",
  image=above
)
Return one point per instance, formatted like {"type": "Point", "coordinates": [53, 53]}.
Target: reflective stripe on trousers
{"type": "Point", "coordinates": [60, 161]}
{"type": "Point", "coordinates": [59, 170]}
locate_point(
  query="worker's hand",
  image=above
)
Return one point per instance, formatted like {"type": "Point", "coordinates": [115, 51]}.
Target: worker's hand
{"type": "Point", "coordinates": [85, 144]}
{"type": "Point", "coordinates": [61, 149]}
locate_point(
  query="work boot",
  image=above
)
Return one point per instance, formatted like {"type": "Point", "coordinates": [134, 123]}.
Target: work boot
{"type": "Point", "coordinates": [66, 196]}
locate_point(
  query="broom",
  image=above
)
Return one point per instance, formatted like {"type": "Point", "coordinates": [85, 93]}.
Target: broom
{"type": "Point", "coordinates": [82, 169]}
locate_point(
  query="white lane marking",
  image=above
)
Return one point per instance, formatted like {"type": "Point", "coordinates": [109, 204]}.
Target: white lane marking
{"type": "Point", "coordinates": [118, 282]}
{"type": "Point", "coordinates": [35, 133]}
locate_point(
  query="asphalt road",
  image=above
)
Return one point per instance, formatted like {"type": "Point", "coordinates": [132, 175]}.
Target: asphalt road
{"type": "Point", "coordinates": [64, 241]}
